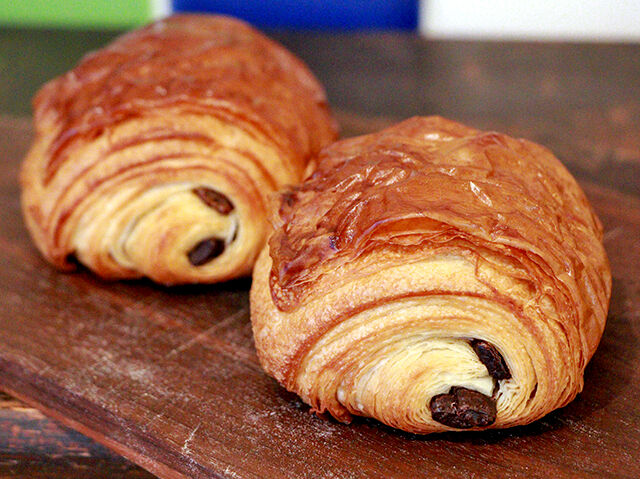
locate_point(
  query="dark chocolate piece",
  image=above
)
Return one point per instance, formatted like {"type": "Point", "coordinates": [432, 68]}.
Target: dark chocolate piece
{"type": "Point", "coordinates": [205, 251]}
{"type": "Point", "coordinates": [533, 393]}
{"type": "Point", "coordinates": [214, 199]}
{"type": "Point", "coordinates": [463, 408]}
{"type": "Point", "coordinates": [491, 358]}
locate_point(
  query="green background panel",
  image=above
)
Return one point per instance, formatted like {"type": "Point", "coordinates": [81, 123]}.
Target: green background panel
{"type": "Point", "coordinates": [75, 13]}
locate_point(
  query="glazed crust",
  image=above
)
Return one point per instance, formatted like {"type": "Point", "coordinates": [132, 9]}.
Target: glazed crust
{"type": "Point", "coordinates": [193, 102]}
{"type": "Point", "coordinates": [433, 265]}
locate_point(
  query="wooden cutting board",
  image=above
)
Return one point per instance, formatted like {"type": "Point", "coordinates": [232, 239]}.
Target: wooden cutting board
{"type": "Point", "coordinates": [168, 377]}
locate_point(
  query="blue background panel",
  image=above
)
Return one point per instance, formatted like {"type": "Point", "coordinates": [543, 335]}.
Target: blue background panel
{"type": "Point", "coordinates": [314, 14]}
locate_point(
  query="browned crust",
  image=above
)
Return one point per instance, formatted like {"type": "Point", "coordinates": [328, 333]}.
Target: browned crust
{"type": "Point", "coordinates": [211, 64]}
{"type": "Point", "coordinates": [404, 184]}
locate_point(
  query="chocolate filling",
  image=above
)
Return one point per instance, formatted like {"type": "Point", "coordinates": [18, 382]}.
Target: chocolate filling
{"type": "Point", "coordinates": [491, 358]}
{"type": "Point", "coordinates": [214, 199]}
{"type": "Point", "coordinates": [533, 393]}
{"type": "Point", "coordinates": [205, 251]}
{"type": "Point", "coordinates": [463, 408]}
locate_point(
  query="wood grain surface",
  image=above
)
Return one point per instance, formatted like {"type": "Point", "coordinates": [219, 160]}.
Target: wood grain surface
{"type": "Point", "coordinates": [168, 377]}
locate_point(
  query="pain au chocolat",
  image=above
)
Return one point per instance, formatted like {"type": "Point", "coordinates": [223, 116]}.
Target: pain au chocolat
{"type": "Point", "coordinates": [156, 155]}
{"type": "Point", "coordinates": [434, 277]}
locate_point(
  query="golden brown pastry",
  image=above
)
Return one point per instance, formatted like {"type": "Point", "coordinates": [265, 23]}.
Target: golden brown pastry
{"type": "Point", "coordinates": [434, 277]}
{"type": "Point", "coordinates": [155, 156]}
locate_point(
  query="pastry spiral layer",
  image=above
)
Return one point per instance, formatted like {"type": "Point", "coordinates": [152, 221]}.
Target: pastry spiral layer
{"type": "Point", "coordinates": [434, 277]}
{"type": "Point", "coordinates": [156, 155]}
